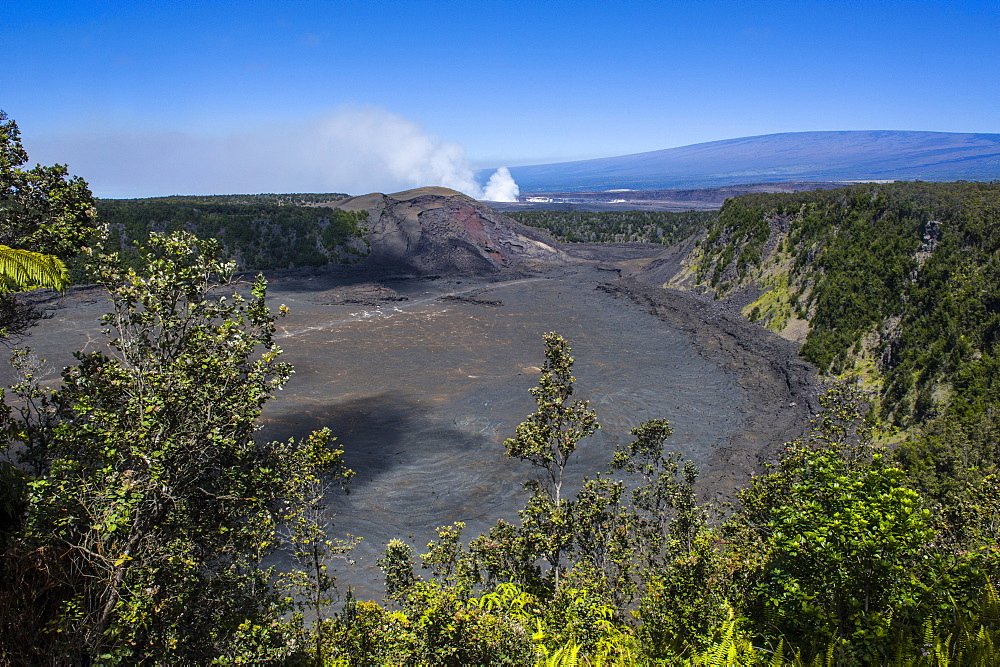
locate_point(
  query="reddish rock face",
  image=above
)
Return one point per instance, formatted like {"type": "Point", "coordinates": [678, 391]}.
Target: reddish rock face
{"type": "Point", "coordinates": [473, 223]}
{"type": "Point", "coordinates": [435, 230]}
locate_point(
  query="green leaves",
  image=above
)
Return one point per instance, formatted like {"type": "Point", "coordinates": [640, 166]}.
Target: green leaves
{"type": "Point", "coordinates": [617, 226]}
{"type": "Point", "coordinates": [22, 270]}
{"type": "Point", "coordinates": [397, 566]}
{"type": "Point", "coordinates": [848, 548]}
{"type": "Point", "coordinates": [150, 480]}
{"type": "Point", "coordinates": [46, 219]}
{"type": "Point", "coordinates": [42, 209]}
{"type": "Point", "coordinates": [262, 232]}
{"type": "Point", "coordinates": [549, 436]}
{"type": "Point", "coordinates": [546, 439]}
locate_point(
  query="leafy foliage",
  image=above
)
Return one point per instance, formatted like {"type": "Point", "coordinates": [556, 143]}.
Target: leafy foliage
{"type": "Point", "coordinates": [844, 558]}
{"type": "Point", "coordinates": [912, 264]}
{"type": "Point", "coordinates": [42, 209]}
{"type": "Point", "coordinates": [256, 231]}
{"type": "Point", "coordinates": [548, 437]}
{"type": "Point", "coordinates": [46, 219]}
{"type": "Point", "coordinates": [666, 227]}
{"type": "Point", "coordinates": [265, 199]}
{"type": "Point", "coordinates": [896, 283]}
{"type": "Point", "coordinates": [312, 585]}
{"type": "Point", "coordinates": [832, 559]}
{"type": "Point", "coordinates": [547, 440]}
{"type": "Point", "coordinates": [24, 270]}
{"type": "Point", "coordinates": [151, 502]}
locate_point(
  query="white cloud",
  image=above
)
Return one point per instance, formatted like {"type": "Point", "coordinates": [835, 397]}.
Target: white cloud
{"type": "Point", "coordinates": [354, 150]}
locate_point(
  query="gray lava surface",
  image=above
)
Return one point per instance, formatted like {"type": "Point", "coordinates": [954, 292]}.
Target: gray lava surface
{"type": "Point", "coordinates": [422, 379]}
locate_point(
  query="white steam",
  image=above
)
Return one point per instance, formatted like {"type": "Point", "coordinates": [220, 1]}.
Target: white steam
{"type": "Point", "coordinates": [394, 148]}
{"type": "Point", "coordinates": [501, 186]}
{"type": "Point", "coordinates": [355, 150]}
{"type": "Point", "coordinates": [375, 142]}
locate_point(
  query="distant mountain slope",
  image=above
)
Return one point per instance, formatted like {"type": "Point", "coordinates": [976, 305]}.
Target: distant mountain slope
{"type": "Point", "coordinates": [789, 156]}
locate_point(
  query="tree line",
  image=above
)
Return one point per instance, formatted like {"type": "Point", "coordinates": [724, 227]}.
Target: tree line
{"type": "Point", "coordinates": [258, 232]}
{"type": "Point", "coordinates": [664, 227]}
{"type": "Point", "coordinates": [266, 198]}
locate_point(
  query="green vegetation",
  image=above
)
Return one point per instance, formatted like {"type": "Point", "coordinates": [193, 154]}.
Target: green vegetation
{"type": "Point", "coordinates": [912, 263]}
{"type": "Point", "coordinates": [901, 274]}
{"type": "Point", "coordinates": [138, 511]}
{"type": "Point", "coordinates": [256, 231]}
{"type": "Point", "coordinates": [264, 199]}
{"type": "Point", "coordinates": [897, 284]}
{"type": "Point", "coordinates": [833, 559]}
{"type": "Point", "coordinates": [146, 512]}
{"type": "Point", "coordinates": [143, 508]}
{"type": "Point", "coordinates": [617, 226]}
{"type": "Point", "coordinates": [22, 270]}
{"type": "Point", "coordinates": [42, 209]}
{"type": "Point", "coordinates": [46, 219]}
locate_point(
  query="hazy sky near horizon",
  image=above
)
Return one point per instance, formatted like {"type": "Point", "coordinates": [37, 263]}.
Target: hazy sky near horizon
{"type": "Point", "coordinates": [152, 98]}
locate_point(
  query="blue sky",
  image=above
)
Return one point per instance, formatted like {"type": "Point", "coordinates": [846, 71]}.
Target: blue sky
{"type": "Point", "coordinates": [149, 98]}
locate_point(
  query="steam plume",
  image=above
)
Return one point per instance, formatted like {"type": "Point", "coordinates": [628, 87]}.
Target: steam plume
{"type": "Point", "coordinates": [354, 150]}
{"type": "Point", "coordinates": [501, 186]}
{"type": "Point", "coordinates": [386, 144]}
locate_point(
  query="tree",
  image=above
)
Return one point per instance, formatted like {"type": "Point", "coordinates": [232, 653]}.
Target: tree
{"type": "Point", "coordinates": [397, 566]}
{"type": "Point", "coordinates": [42, 209]}
{"type": "Point", "coordinates": [835, 542]}
{"type": "Point", "coordinates": [313, 585]}
{"type": "Point", "coordinates": [546, 439]}
{"type": "Point", "coordinates": [46, 218]}
{"type": "Point", "coordinates": [667, 514]}
{"type": "Point", "coordinates": [153, 505]}
{"type": "Point", "coordinates": [549, 436]}
{"type": "Point", "coordinates": [675, 551]}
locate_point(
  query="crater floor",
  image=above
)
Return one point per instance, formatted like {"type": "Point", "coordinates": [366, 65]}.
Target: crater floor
{"type": "Point", "coordinates": [422, 379]}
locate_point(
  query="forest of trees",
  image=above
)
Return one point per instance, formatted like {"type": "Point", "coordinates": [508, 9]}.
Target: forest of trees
{"type": "Point", "coordinates": [139, 515]}
{"type": "Point", "coordinates": [258, 232]}
{"type": "Point", "coordinates": [665, 227]}
{"type": "Point", "coordinates": [898, 285]}
{"type": "Point", "coordinates": [264, 199]}
{"type": "Point", "coordinates": [272, 231]}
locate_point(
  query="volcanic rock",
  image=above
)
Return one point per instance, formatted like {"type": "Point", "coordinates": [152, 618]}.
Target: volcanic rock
{"type": "Point", "coordinates": [441, 231]}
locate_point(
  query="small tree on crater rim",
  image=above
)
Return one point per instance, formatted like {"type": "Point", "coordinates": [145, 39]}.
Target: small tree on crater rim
{"type": "Point", "coordinates": [548, 437]}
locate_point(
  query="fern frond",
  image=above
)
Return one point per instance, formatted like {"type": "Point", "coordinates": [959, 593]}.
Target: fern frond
{"type": "Point", "coordinates": [991, 604]}
{"type": "Point", "coordinates": [568, 655]}
{"type": "Point", "coordinates": [778, 657]}
{"type": "Point", "coordinates": [22, 270]}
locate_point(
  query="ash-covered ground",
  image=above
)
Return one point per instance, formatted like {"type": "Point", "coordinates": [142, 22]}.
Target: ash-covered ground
{"type": "Point", "coordinates": [422, 379]}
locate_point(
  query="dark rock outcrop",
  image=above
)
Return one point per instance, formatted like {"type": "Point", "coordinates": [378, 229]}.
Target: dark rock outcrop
{"type": "Point", "coordinates": [437, 230]}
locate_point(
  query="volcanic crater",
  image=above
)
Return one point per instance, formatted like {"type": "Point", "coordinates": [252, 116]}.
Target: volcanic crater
{"type": "Point", "coordinates": [420, 361]}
